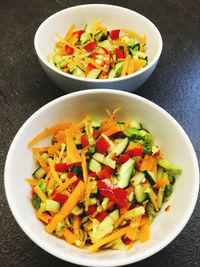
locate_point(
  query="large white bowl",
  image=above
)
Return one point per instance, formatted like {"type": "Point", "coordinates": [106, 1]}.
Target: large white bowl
{"type": "Point", "coordinates": [167, 133]}
{"type": "Point", "coordinates": [114, 17]}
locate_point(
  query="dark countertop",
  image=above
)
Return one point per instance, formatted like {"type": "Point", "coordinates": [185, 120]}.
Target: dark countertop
{"type": "Point", "coordinates": [24, 88]}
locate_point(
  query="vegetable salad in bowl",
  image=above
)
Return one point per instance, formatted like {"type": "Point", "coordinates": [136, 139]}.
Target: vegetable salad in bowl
{"type": "Point", "coordinates": [98, 53]}
{"type": "Point", "coordinates": [100, 184]}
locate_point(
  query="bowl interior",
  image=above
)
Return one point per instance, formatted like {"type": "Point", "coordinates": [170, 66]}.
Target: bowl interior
{"type": "Point", "coordinates": [167, 134]}
{"type": "Point", "coordinates": [113, 18]}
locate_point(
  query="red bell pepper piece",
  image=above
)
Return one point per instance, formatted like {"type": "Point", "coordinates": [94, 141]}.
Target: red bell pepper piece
{"type": "Point", "coordinates": [93, 55]}
{"type": "Point", "coordinates": [102, 145]}
{"type": "Point", "coordinates": [138, 162]}
{"type": "Point", "coordinates": [61, 167]}
{"type": "Point", "coordinates": [69, 50]}
{"type": "Point", "coordinates": [84, 140]}
{"type": "Point", "coordinates": [119, 53]}
{"type": "Point", "coordinates": [114, 193]}
{"type": "Point", "coordinates": [123, 158]}
{"type": "Point", "coordinates": [156, 154]}
{"type": "Point", "coordinates": [91, 209]}
{"type": "Point", "coordinates": [92, 174]}
{"type": "Point", "coordinates": [101, 216]}
{"type": "Point", "coordinates": [79, 33]}
{"type": "Point", "coordinates": [71, 174]}
{"type": "Point", "coordinates": [60, 198]}
{"type": "Point", "coordinates": [105, 50]}
{"type": "Point", "coordinates": [90, 67]}
{"type": "Point", "coordinates": [103, 64]}
{"type": "Point", "coordinates": [135, 152]}
{"type": "Point", "coordinates": [95, 134]}
{"type": "Point", "coordinates": [90, 46]}
{"type": "Point", "coordinates": [105, 173]}
{"type": "Point", "coordinates": [114, 34]}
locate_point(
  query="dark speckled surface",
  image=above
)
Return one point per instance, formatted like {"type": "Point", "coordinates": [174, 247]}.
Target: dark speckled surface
{"type": "Point", "coordinates": [24, 87]}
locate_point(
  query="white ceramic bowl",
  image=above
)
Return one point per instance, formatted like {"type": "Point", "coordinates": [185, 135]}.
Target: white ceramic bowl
{"type": "Point", "coordinates": [114, 17]}
{"type": "Point", "coordinates": [167, 133]}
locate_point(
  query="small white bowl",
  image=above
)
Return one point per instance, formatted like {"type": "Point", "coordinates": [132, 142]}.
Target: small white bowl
{"type": "Point", "coordinates": [115, 17]}
{"type": "Point", "coordinates": [167, 133]}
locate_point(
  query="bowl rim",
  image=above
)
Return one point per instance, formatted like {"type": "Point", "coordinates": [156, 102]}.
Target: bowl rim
{"type": "Point", "coordinates": [93, 262]}
{"type": "Point", "coordinates": [52, 68]}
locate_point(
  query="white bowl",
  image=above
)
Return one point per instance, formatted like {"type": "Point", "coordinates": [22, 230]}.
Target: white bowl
{"type": "Point", "coordinates": [167, 133]}
{"type": "Point", "coordinates": [114, 17]}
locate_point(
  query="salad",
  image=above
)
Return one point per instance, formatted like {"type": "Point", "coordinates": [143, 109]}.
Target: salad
{"type": "Point", "coordinates": [100, 184]}
{"type": "Point", "coordinates": [97, 53]}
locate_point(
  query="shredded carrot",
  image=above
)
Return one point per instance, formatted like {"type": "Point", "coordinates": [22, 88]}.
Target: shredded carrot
{"type": "Point", "coordinates": [138, 64]}
{"type": "Point", "coordinates": [61, 51]}
{"type": "Point", "coordinates": [41, 149]}
{"type": "Point", "coordinates": [130, 67]}
{"type": "Point", "coordinates": [125, 65]}
{"type": "Point", "coordinates": [113, 130]}
{"type": "Point", "coordinates": [52, 149]}
{"type": "Point", "coordinates": [72, 151]}
{"type": "Point", "coordinates": [161, 181]}
{"type": "Point", "coordinates": [84, 168]}
{"type": "Point", "coordinates": [51, 182]}
{"type": "Point", "coordinates": [114, 235]}
{"type": "Point", "coordinates": [103, 29]}
{"type": "Point", "coordinates": [65, 185]}
{"type": "Point", "coordinates": [32, 182]}
{"type": "Point", "coordinates": [67, 207]}
{"type": "Point", "coordinates": [94, 214]}
{"type": "Point", "coordinates": [53, 171]}
{"type": "Point", "coordinates": [127, 122]}
{"type": "Point", "coordinates": [78, 63]}
{"type": "Point", "coordinates": [49, 131]}
{"type": "Point", "coordinates": [41, 161]}
{"type": "Point", "coordinates": [125, 49]}
{"type": "Point", "coordinates": [144, 231]}
{"type": "Point", "coordinates": [130, 246]}
{"type": "Point", "coordinates": [73, 39]}
{"type": "Point", "coordinates": [94, 26]}
{"type": "Point", "coordinates": [93, 62]}
{"type": "Point", "coordinates": [77, 226]}
{"type": "Point", "coordinates": [89, 226]}
{"type": "Point", "coordinates": [148, 163]}
{"type": "Point", "coordinates": [74, 130]}
{"type": "Point", "coordinates": [43, 216]}
{"type": "Point", "coordinates": [69, 236]}
{"type": "Point", "coordinates": [41, 195]}
{"type": "Point", "coordinates": [134, 34]}
{"type": "Point", "coordinates": [153, 200]}
{"type": "Point", "coordinates": [70, 31]}
{"type": "Point", "coordinates": [132, 231]}
{"type": "Point", "coordinates": [48, 176]}
{"type": "Point", "coordinates": [67, 43]}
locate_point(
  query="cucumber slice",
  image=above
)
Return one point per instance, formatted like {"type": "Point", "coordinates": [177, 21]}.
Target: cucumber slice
{"type": "Point", "coordinates": [139, 194]}
{"type": "Point", "coordinates": [119, 149]}
{"type": "Point", "coordinates": [99, 157]}
{"type": "Point", "coordinates": [151, 177]}
{"type": "Point", "coordinates": [39, 173]}
{"type": "Point", "coordinates": [94, 74]}
{"type": "Point", "coordinates": [100, 36]}
{"type": "Point", "coordinates": [125, 173]}
{"type": "Point", "coordinates": [116, 70]}
{"type": "Point", "coordinates": [94, 166]}
{"type": "Point", "coordinates": [115, 214]}
{"type": "Point", "coordinates": [137, 179]}
{"type": "Point", "coordinates": [160, 196]}
{"type": "Point", "coordinates": [134, 213]}
{"type": "Point", "coordinates": [50, 205]}
{"type": "Point", "coordinates": [78, 72]}
{"type": "Point", "coordinates": [88, 29]}
{"type": "Point", "coordinates": [135, 124]}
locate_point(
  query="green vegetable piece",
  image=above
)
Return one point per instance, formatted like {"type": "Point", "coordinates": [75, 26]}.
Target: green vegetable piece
{"type": "Point", "coordinates": [77, 170]}
{"type": "Point", "coordinates": [168, 190]}
{"type": "Point", "coordinates": [170, 169]}
{"type": "Point", "coordinates": [133, 134]}
{"type": "Point", "coordinates": [172, 179]}
{"type": "Point", "coordinates": [150, 211]}
{"type": "Point", "coordinates": [36, 202]}
{"type": "Point", "coordinates": [147, 144]}
{"type": "Point", "coordinates": [42, 185]}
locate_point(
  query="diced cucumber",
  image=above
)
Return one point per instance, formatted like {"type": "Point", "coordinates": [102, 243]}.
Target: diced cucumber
{"type": "Point", "coordinates": [150, 193]}
{"type": "Point", "coordinates": [88, 29]}
{"type": "Point", "coordinates": [130, 197]}
{"type": "Point", "coordinates": [109, 162]}
{"type": "Point", "coordinates": [135, 124]}
{"type": "Point", "coordinates": [119, 149]}
{"type": "Point", "coordinates": [115, 214]}
{"type": "Point", "coordinates": [42, 185]}
{"type": "Point", "coordinates": [96, 124]}
{"type": "Point", "coordinates": [137, 179]}
{"type": "Point", "coordinates": [118, 140]}
{"type": "Point", "coordinates": [150, 211]}
{"type": "Point", "coordinates": [134, 213]}
{"type": "Point", "coordinates": [118, 244]}
{"type": "Point", "coordinates": [85, 221]}
{"type": "Point", "coordinates": [125, 173]}
{"type": "Point", "coordinates": [77, 211]}
{"type": "Point", "coordinates": [139, 194]}
{"type": "Point", "coordinates": [107, 45]}
{"type": "Point", "coordinates": [151, 177]}
{"type": "Point", "coordinates": [147, 144]}
{"type": "Point", "coordinates": [94, 190]}
{"type": "Point", "coordinates": [85, 37]}
{"type": "Point", "coordinates": [160, 196]}
{"type": "Point", "coordinates": [122, 125]}
{"type": "Point", "coordinates": [36, 202]}
{"type": "Point", "coordinates": [170, 169]}
{"type": "Point", "coordinates": [45, 157]}
{"type": "Point", "coordinates": [104, 160]}
{"type": "Point", "coordinates": [100, 36]}
{"type": "Point", "coordinates": [50, 205]}
{"type": "Point", "coordinates": [99, 157]}
{"type": "Point", "coordinates": [78, 72]}
{"type": "Point", "coordinates": [60, 226]}
{"type": "Point", "coordinates": [99, 230]}
{"type": "Point", "coordinates": [116, 70]}
{"type": "Point", "coordinates": [105, 202]}
{"type": "Point", "coordinates": [39, 173]}
{"type": "Point", "coordinates": [94, 166]}
{"type": "Point", "coordinates": [94, 74]}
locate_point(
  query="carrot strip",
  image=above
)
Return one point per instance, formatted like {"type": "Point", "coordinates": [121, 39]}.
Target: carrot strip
{"type": "Point", "coordinates": [41, 161]}
{"type": "Point", "coordinates": [111, 237]}
{"type": "Point", "coordinates": [132, 231]}
{"type": "Point", "coordinates": [67, 43]}
{"type": "Point", "coordinates": [69, 236]}
{"type": "Point", "coordinates": [32, 182]}
{"type": "Point", "coordinates": [130, 246]}
{"type": "Point", "coordinates": [125, 65]}
{"type": "Point", "coordinates": [138, 64]}
{"type": "Point", "coordinates": [103, 29]}
{"type": "Point", "coordinates": [125, 49]}
{"type": "Point", "coordinates": [94, 214]}
{"type": "Point", "coordinates": [53, 171]}
{"type": "Point", "coordinates": [41, 195]}
{"type": "Point", "coordinates": [144, 231]}
{"type": "Point", "coordinates": [84, 168]}
{"type": "Point", "coordinates": [51, 181]}
{"type": "Point", "coordinates": [134, 34]}
{"type": "Point", "coordinates": [153, 200]}
{"type": "Point", "coordinates": [77, 226]}
{"type": "Point", "coordinates": [65, 185]}
{"type": "Point", "coordinates": [130, 67]}
{"type": "Point", "coordinates": [148, 163]}
{"type": "Point", "coordinates": [67, 207]}
{"type": "Point", "coordinates": [73, 39]}
{"type": "Point", "coordinates": [161, 181]}
{"type": "Point", "coordinates": [113, 130]}
{"type": "Point", "coordinates": [43, 216]}
{"type": "Point", "coordinates": [89, 226]}
{"type": "Point", "coordinates": [72, 151]}
{"type": "Point", "coordinates": [52, 149]}
{"type": "Point", "coordinates": [78, 62]}
{"type": "Point", "coordinates": [127, 122]}
{"type": "Point", "coordinates": [49, 131]}
{"type": "Point", "coordinates": [89, 186]}
{"type": "Point", "coordinates": [70, 31]}
{"type": "Point", "coordinates": [40, 149]}
{"type": "Point", "coordinates": [93, 62]}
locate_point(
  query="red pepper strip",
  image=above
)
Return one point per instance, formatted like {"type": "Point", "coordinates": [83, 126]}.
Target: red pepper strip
{"type": "Point", "coordinates": [119, 53]}
{"type": "Point", "coordinates": [84, 140]}
{"type": "Point", "coordinates": [60, 198]}
{"type": "Point", "coordinates": [101, 216]}
{"type": "Point", "coordinates": [49, 220]}
{"type": "Point", "coordinates": [69, 50]}
{"type": "Point", "coordinates": [79, 33]}
{"type": "Point", "coordinates": [167, 208]}
{"type": "Point", "coordinates": [103, 174]}
{"type": "Point", "coordinates": [90, 46]}
{"type": "Point", "coordinates": [92, 174]}
{"type": "Point", "coordinates": [95, 134]}
{"type": "Point", "coordinates": [156, 154]}
{"type": "Point", "coordinates": [102, 145]}
{"type": "Point", "coordinates": [90, 67]}
{"type": "Point", "coordinates": [135, 152]}
{"type": "Point", "coordinates": [114, 34]}
{"type": "Point", "coordinates": [114, 193]}
{"type": "Point", "coordinates": [70, 174]}
{"type": "Point", "coordinates": [61, 167]}
{"type": "Point", "coordinates": [138, 162]}
{"type": "Point", "coordinates": [103, 64]}
{"type": "Point", "coordinates": [105, 50]}
{"type": "Point", "coordinates": [91, 209]}
{"type": "Point", "coordinates": [123, 158]}
{"type": "Point", "coordinates": [93, 55]}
